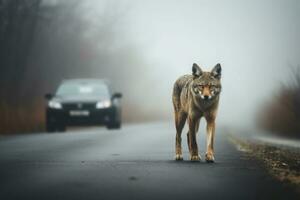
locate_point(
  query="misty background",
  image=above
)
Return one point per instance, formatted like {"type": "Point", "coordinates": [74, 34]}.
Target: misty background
{"type": "Point", "coordinates": [143, 47]}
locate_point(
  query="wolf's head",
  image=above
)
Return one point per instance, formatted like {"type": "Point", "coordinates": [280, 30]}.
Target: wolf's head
{"type": "Point", "coordinates": [206, 85]}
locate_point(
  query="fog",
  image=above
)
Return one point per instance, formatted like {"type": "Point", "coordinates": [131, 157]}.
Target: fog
{"type": "Point", "coordinates": [144, 46]}
{"type": "Point", "coordinates": [256, 42]}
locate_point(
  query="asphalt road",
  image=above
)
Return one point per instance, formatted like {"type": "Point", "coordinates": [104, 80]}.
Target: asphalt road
{"type": "Point", "coordinates": [135, 162]}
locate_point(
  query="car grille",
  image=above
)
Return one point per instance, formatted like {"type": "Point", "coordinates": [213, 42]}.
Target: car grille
{"type": "Point", "coordinates": [79, 106]}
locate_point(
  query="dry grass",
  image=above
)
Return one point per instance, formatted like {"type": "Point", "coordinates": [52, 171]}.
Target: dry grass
{"type": "Point", "coordinates": [281, 163]}
{"type": "Point", "coordinates": [281, 114]}
{"type": "Point", "coordinates": [21, 119]}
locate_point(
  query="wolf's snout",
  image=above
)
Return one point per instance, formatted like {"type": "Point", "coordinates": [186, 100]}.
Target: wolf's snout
{"type": "Point", "coordinates": [205, 97]}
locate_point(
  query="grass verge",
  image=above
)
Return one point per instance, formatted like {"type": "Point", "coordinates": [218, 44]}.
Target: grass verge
{"type": "Point", "coordinates": [281, 114]}
{"type": "Point", "coordinates": [281, 163]}
{"type": "Point", "coordinates": [22, 119]}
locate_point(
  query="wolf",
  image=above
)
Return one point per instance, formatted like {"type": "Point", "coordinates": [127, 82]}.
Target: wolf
{"type": "Point", "coordinates": [196, 96]}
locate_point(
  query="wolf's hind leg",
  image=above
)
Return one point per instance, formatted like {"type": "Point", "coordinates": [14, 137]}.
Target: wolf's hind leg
{"type": "Point", "coordinates": [180, 119]}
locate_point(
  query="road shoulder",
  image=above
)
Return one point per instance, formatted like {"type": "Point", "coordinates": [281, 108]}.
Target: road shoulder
{"type": "Point", "coordinates": [281, 162]}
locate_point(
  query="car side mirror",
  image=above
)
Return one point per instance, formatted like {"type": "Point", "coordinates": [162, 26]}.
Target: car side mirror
{"type": "Point", "coordinates": [48, 96]}
{"type": "Point", "coordinates": [117, 95]}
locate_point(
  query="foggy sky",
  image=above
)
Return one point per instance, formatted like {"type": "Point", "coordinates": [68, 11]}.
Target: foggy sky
{"type": "Point", "coordinates": [256, 42]}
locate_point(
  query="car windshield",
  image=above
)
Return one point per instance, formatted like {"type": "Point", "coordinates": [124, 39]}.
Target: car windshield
{"type": "Point", "coordinates": [80, 89]}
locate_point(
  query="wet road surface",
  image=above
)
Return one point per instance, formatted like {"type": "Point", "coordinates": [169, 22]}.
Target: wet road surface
{"type": "Point", "coordinates": [135, 162]}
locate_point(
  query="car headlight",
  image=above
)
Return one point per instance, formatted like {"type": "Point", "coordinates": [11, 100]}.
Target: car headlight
{"type": "Point", "coordinates": [103, 104]}
{"type": "Point", "coordinates": [55, 105]}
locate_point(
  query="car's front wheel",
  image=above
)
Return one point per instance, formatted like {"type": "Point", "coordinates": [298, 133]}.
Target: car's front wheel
{"type": "Point", "coordinates": [115, 120]}
{"type": "Point", "coordinates": [114, 125]}
{"type": "Point", "coordinates": [61, 128]}
{"type": "Point", "coordinates": [50, 127]}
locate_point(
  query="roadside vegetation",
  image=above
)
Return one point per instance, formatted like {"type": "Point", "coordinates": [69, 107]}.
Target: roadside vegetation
{"type": "Point", "coordinates": [281, 115]}
{"type": "Point", "coordinates": [281, 163]}
{"type": "Point", "coordinates": [21, 119]}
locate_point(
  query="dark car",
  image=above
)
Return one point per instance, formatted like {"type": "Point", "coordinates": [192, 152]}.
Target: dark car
{"type": "Point", "coordinates": [83, 102]}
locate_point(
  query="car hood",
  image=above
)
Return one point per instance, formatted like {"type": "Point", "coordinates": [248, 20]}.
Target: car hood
{"type": "Point", "coordinates": [79, 99]}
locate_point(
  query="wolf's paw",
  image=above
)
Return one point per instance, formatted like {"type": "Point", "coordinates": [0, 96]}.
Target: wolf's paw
{"type": "Point", "coordinates": [178, 157]}
{"type": "Point", "coordinates": [195, 158]}
{"type": "Point", "coordinates": [209, 157]}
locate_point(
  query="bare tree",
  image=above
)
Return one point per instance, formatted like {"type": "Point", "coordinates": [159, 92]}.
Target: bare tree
{"type": "Point", "coordinates": [18, 20]}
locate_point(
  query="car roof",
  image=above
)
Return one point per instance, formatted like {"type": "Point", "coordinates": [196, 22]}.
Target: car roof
{"type": "Point", "coordinates": [86, 81]}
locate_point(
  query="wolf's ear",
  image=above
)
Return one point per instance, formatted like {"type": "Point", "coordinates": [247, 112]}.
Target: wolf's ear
{"type": "Point", "coordinates": [197, 71]}
{"type": "Point", "coordinates": [216, 71]}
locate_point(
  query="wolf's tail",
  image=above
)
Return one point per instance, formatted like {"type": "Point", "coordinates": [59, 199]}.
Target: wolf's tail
{"type": "Point", "coordinates": [176, 96]}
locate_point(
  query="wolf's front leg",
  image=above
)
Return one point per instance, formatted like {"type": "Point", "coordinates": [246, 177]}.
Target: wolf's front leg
{"type": "Point", "coordinates": [192, 140]}
{"type": "Point", "coordinates": [209, 156]}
